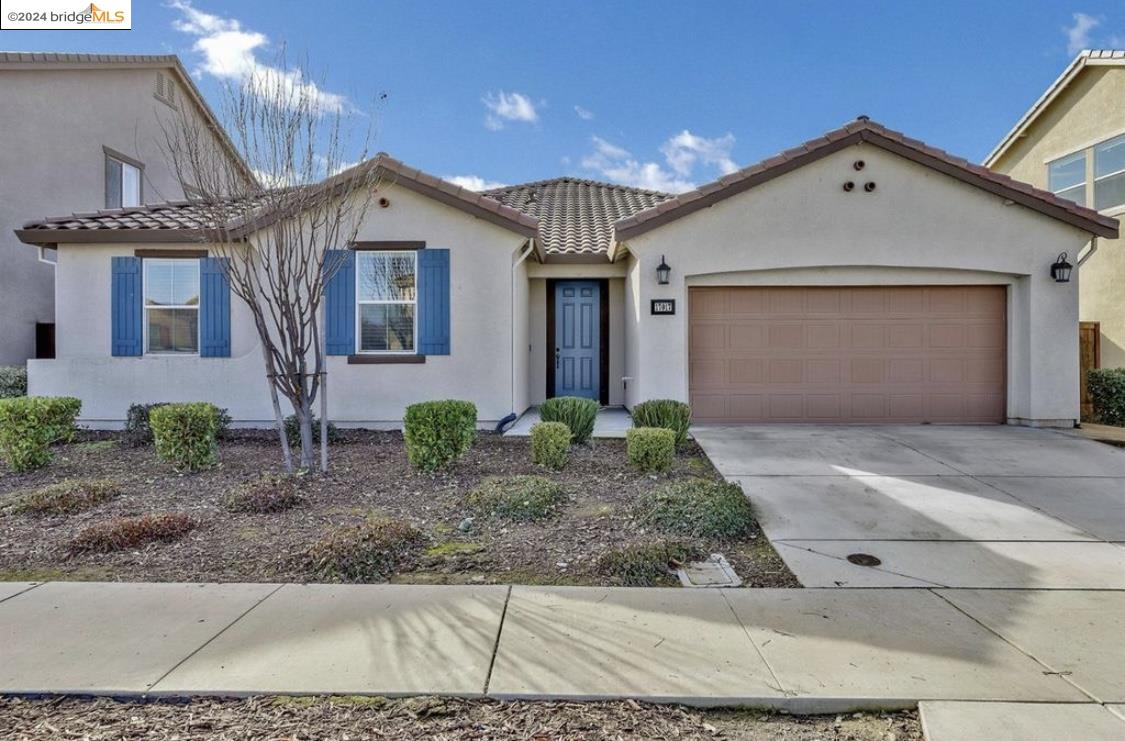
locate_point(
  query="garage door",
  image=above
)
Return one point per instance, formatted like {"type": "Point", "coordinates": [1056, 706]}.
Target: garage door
{"type": "Point", "coordinates": [848, 354]}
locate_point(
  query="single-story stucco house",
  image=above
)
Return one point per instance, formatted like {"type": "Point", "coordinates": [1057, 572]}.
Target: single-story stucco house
{"type": "Point", "coordinates": [861, 277]}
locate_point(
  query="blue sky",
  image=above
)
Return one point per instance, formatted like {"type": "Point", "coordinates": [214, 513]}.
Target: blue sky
{"type": "Point", "coordinates": [655, 94]}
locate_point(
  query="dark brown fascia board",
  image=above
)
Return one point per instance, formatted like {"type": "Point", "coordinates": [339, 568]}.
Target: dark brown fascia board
{"type": "Point", "coordinates": [386, 245]}
{"type": "Point", "coordinates": [108, 236]}
{"type": "Point", "coordinates": [386, 359]}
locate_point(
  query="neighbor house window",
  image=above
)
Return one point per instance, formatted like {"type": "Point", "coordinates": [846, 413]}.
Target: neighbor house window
{"type": "Point", "coordinates": [1109, 174]}
{"type": "Point", "coordinates": [1066, 177]}
{"type": "Point", "coordinates": [171, 290]}
{"type": "Point", "coordinates": [122, 182]}
{"type": "Point", "coordinates": [386, 301]}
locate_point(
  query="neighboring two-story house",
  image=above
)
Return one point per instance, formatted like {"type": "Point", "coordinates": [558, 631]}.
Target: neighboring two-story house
{"type": "Point", "coordinates": [1072, 142]}
{"type": "Point", "coordinates": [80, 132]}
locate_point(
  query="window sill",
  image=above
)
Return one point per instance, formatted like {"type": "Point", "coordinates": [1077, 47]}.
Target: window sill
{"type": "Point", "coordinates": [386, 359]}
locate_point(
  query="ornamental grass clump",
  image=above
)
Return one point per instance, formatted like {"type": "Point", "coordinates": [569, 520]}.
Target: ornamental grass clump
{"type": "Point", "coordinates": [646, 564]}
{"type": "Point", "coordinates": [651, 449]}
{"type": "Point", "coordinates": [519, 498]}
{"type": "Point", "coordinates": [186, 435]}
{"type": "Point", "coordinates": [575, 412]}
{"type": "Point", "coordinates": [129, 533]}
{"type": "Point", "coordinates": [696, 507]}
{"type": "Point", "coordinates": [550, 444]}
{"type": "Point", "coordinates": [268, 493]}
{"type": "Point", "coordinates": [65, 497]}
{"type": "Point", "coordinates": [369, 552]}
{"type": "Point", "coordinates": [667, 413]}
{"type": "Point", "coordinates": [30, 424]}
{"type": "Point", "coordinates": [1106, 387]}
{"type": "Point", "coordinates": [437, 433]}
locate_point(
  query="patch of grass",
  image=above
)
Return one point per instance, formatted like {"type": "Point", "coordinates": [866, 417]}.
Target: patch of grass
{"type": "Point", "coordinates": [369, 552]}
{"type": "Point", "coordinates": [127, 533]}
{"type": "Point", "coordinates": [65, 497]}
{"type": "Point", "coordinates": [646, 564]}
{"type": "Point", "coordinates": [85, 573]}
{"type": "Point", "coordinates": [271, 492]}
{"type": "Point", "coordinates": [519, 498]}
{"type": "Point", "coordinates": [453, 548]}
{"type": "Point", "coordinates": [696, 507]}
{"type": "Point", "coordinates": [96, 446]}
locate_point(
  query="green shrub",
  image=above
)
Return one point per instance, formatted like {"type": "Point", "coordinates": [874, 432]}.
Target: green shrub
{"type": "Point", "coordinates": [138, 429]}
{"type": "Point", "coordinates": [369, 552]}
{"type": "Point", "coordinates": [293, 431]}
{"type": "Point", "coordinates": [575, 412]}
{"type": "Point", "coordinates": [271, 492]}
{"type": "Point", "coordinates": [646, 564]}
{"type": "Point", "coordinates": [667, 413]}
{"type": "Point", "coordinates": [13, 381]}
{"type": "Point", "coordinates": [439, 432]}
{"type": "Point", "coordinates": [186, 434]}
{"type": "Point", "coordinates": [29, 424]}
{"type": "Point", "coordinates": [520, 498]}
{"type": "Point", "coordinates": [66, 497]}
{"type": "Point", "coordinates": [128, 533]}
{"type": "Point", "coordinates": [696, 507]}
{"type": "Point", "coordinates": [550, 444]}
{"type": "Point", "coordinates": [1106, 387]}
{"type": "Point", "coordinates": [651, 449]}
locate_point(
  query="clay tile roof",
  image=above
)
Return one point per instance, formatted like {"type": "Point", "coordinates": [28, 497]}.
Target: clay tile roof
{"type": "Point", "coordinates": [576, 216]}
{"type": "Point", "coordinates": [865, 130]}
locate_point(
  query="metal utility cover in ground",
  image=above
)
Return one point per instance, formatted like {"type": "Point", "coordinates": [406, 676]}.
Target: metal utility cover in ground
{"type": "Point", "coordinates": [715, 572]}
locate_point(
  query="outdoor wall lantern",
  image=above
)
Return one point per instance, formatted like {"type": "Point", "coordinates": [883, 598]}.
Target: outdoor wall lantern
{"type": "Point", "coordinates": [663, 272]}
{"type": "Point", "coordinates": [1060, 270]}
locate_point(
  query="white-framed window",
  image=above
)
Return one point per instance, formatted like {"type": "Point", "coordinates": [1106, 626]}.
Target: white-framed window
{"type": "Point", "coordinates": [1109, 174]}
{"type": "Point", "coordinates": [171, 306]}
{"type": "Point", "coordinates": [122, 182]}
{"type": "Point", "coordinates": [1066, 177]}
{"type": "Point", "coordinates": [386, 301]}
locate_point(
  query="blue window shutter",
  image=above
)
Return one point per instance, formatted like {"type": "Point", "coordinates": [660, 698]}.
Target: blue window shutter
{"type": "Point", "coordinates": [214, 309]}
{"type": "Point", "coordinates": [433, 302]}
{"type": "Point", "coordinates": [125, 308]}
{"type": "Point", "coordinates": [339, 302]}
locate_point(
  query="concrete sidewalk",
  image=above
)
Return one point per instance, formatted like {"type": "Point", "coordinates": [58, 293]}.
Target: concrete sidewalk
{"type": "Point", "coordinates": [803, 650]}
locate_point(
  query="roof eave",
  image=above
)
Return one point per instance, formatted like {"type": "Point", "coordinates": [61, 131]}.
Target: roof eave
{"type": "Point", "coordinates": [49, 237]}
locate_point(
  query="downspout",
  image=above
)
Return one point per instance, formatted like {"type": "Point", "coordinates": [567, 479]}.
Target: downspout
{"type": "Point", "coordinates": [1090, 252]}
{"type": "Point", "coordinates": [512, 336]}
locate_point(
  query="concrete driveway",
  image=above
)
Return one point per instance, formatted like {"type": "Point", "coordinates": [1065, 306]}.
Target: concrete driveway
{"type": "Point", "coordinates": [949, 506]}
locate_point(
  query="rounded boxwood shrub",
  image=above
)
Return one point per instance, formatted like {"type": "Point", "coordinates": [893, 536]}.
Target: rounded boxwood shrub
{"type": "Point", "coordinates": [550, 444]}
{"type": "Point", "coordinates": [128, 533]}
{"type": "Point", "coordinates": [1106, 387]}
{"type": "Point", "coordinates": [271, 492]}
{"type": "Point", "coordinates": [66, 497]}
{"type": "Point", "coordinates": [696, 507]}
{"type": "Point", "coordinates": [667, 413]}
{"type": "Point", "coordinates": [651, 449]}
{"type": "Point", "coordinates": [645, 564]}
{"type": "Point", "coordinates": [368, 552]}
{"type": "Point", "coordinates": [29, 424]}
{"type": "Point", "coordinates": [573, 411]}
{"type": "Point", "coordinates": [186, 435]}
{"type": "Point", "coordinates": [13, 381]}
{"type": "Point", "coordinates": [520, 498]}
{"type": "Point", "coordinates": [138, 429]}
{"type": "Point", "coordinates": [439, 432]}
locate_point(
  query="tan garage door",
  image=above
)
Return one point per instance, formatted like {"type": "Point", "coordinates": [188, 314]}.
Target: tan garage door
{"type": "Point", "coordinates": [848, 354]}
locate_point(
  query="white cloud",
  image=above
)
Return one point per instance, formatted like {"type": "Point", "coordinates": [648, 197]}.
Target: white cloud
{"type": "Point", "coordinates": [504, 107]}
{"type": "Point", "coordinates": [684, 150]}
{"type": "Point", "coordinates": [230, 51]}
{"type": "Point", "coordinates": [473, 182]}
{"type": "Point", "coordinates": [684, 154]}
{"type": "Point", "coordinates": [584, 114]}
{"type": "Point", "coordinates": [1078, 35]}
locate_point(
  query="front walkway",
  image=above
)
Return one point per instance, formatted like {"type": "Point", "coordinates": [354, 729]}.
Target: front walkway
{"type": "Point", "coordinates": [811, 650]}
{"type": "Point", "coordinates": [610, 422]}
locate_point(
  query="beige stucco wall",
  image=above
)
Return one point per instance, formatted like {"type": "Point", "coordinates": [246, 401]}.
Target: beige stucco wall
{"type": "Point", "coordinates": [480, 368]}
{"type": "Point", "coordinates": [55, 123]}
{"type": "Point", "coordinates": [1090, 110]}
{"type": "Point", "coordinates": [919, 226]}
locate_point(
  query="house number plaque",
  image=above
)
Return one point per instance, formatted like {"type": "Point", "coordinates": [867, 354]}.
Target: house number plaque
{"type": "Point", "coordinates": [663, 306]}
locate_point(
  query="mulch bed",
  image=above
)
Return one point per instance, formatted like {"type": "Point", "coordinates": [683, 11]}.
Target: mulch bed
{"type": "Point", "coordinates": [369, 475]}
{"type": "Point", "coordinates": [430, 718]}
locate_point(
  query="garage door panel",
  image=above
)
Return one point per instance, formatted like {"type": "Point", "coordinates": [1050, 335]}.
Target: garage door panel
{"type": "Point", "coordinates": [906, 353]}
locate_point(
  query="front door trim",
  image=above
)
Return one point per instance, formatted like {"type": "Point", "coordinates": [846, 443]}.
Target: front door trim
{"type": "Point", "coordinates": [603, 338]}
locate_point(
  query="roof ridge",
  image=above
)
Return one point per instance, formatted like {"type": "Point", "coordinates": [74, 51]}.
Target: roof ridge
{"type": "Point", "coordinates": [578, 180]}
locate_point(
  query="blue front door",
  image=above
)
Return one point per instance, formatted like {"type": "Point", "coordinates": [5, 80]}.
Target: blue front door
{"type": "Point", "coordinates": [577, 344]}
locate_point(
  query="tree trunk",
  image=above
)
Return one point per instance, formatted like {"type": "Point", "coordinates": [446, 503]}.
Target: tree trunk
{"type": "Point", "coordinates": [304, 416]}
{"type": "Point", "coordinates": [286, 453]}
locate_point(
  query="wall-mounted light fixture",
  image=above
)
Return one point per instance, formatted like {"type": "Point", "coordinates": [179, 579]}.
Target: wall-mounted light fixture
{"type": "Point", "coordinates": [663, 272]}
{"type": "Point", "coordinates": [1060, 269]}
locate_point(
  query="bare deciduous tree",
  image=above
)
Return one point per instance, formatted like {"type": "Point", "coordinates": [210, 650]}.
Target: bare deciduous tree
{"type": "Point", "coordinates": [275, 232]}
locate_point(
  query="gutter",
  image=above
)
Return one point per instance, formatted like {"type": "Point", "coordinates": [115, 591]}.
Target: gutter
{"type": "Point", "coordinates": [1090, 252]}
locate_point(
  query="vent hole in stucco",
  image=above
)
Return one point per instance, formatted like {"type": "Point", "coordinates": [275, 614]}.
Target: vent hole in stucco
{"type": "Point", "coordinates": [848, 186]}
